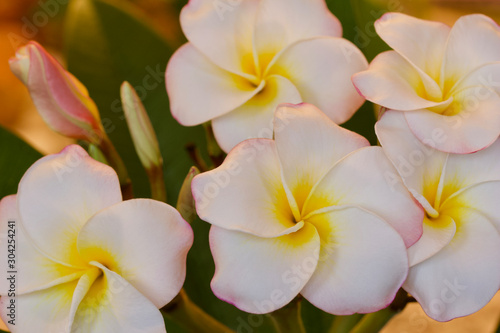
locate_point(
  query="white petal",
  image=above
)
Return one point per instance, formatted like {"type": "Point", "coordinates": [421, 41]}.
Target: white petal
{"type": "Point", "coordinates": [468, 169]}
{"type": "Point", "coordinates": [222, 31]}
{"type": "Point", "coordinates": [367, 179]}
{"type": "Point", "coordinates": [474, 127]}
{"type": "Point", "coordinates": [362, 264]}
{"type": "Point", "coordinates": [58, 194]}
{"type": "Point", "coordinates": [283, 22]}
{"type": "Point", "coordinates": [391, 81]}
{"type": "Point", "coordinates": [482, 197]}
{"type": "Point", "coordinates": [114, 305]}
{"type": "Point", "coordinates": [474, 40]}
{"type": "Point", "coordinates": [487, 75]}
{"type": "Point", "coordinates": [260, 275]}
{"type": "Point", "coordinates": [437, 233]}
{"type": "Point", "coordinates": [419, 165]}
{"type": "Point", "coordinates": [462, 277]}
{"type": "Point", "coordinates": [145, 241]}
{"type": "Point", "coordinates": [81, 290]}
{"type": "Point", "coordinates": [309, 144]}
{"type": "Point", "coordinates": [421, 42]}
{"type": "Point", "coordinates": [321, 69]}
{"type": "Point", "coordinates": [254, 119]}
{"type": "Point", "coordinates": [33, 270]}
{"type": "Point", "coordinates": [246, 192]}
{"type": "Point", "coordinates": [47, 310]}
{"type": "Point", "coordinates": [200, 91]}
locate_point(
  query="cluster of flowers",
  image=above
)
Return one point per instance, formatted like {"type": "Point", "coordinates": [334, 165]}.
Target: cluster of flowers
{"type": "Point", "coordinates": [300, 205]}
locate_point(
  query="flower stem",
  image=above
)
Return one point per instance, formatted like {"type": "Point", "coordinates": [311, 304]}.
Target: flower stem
{"type": "Point", "coordinates": [187, 314]}
{"type": "Point", "coordinates": [344, 324]}
{"type": "Point", "coordinates": [288, 319]}
{"type": "Point", "coordinates": [195, 155]}
{"type": "Point", "coordinates": [116, 162]}
{"type": "Point", "coordinates": [157, 183]}
{"type": "Point", "coordinates": [214, 151]}
{"type": "Point", "coordinates": [185, 201]}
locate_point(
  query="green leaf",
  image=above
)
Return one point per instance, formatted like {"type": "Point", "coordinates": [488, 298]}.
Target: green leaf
{"type": "Point", "coordinates": [366, 12]}
{"type": "Point", "coordinates": [16, 156]}
{"type": "Point", "coordinates": [315, 320]}
{"type": "Point", "coordinates": [106, 44]}
{"type": "Point", "coordinates": [357, 18]}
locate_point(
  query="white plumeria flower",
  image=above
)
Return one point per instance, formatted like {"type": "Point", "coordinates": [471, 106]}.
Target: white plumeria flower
{"type": "Point", "coordinates": [308, 213]}
{"type": "Point", "coordinates": [86, 260]}
{"type": "Point", "coordinates": [455, 266]}
{"type": "Point", "coordinates": [245, 58]}
{"type": "Point", "coordinates": [442, 78]}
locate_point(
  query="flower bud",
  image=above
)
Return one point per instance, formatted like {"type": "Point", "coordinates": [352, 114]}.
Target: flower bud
{"type": "Point", "coordinates": [97, 154]}
{"type": "Point", "coordinates": [185, 202]}
{"type": "Point", "coordinates": [62, 100]}
{"type": "Point", "coordinates": [141, 130]}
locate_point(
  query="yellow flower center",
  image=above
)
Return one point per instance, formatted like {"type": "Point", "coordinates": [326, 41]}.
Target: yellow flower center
{"type": "Point", "coordinates": [257, 69]}
{"type": "Point", "coordinates": [436, 194]}
{"type": "Point", "coordinates": [449, 91]}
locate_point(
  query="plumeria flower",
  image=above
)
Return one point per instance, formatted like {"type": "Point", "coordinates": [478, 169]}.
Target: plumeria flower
{"type": "Point", "coordinates": [308, 213]}
{"type": "Point", "coordinates": [245, 58]}
{"type": "Point", "coordinates": [455, 266]}
{"type": "Point", "coordinates": [60, 98]}
{"type": "Point", "coordinates": [442, 78]}
{"type": "Point", "coordinates": [86, 260]}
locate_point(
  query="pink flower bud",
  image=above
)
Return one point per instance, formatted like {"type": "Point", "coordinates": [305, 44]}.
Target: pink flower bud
{"type": "Point", "coordinates": [62, 100]}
